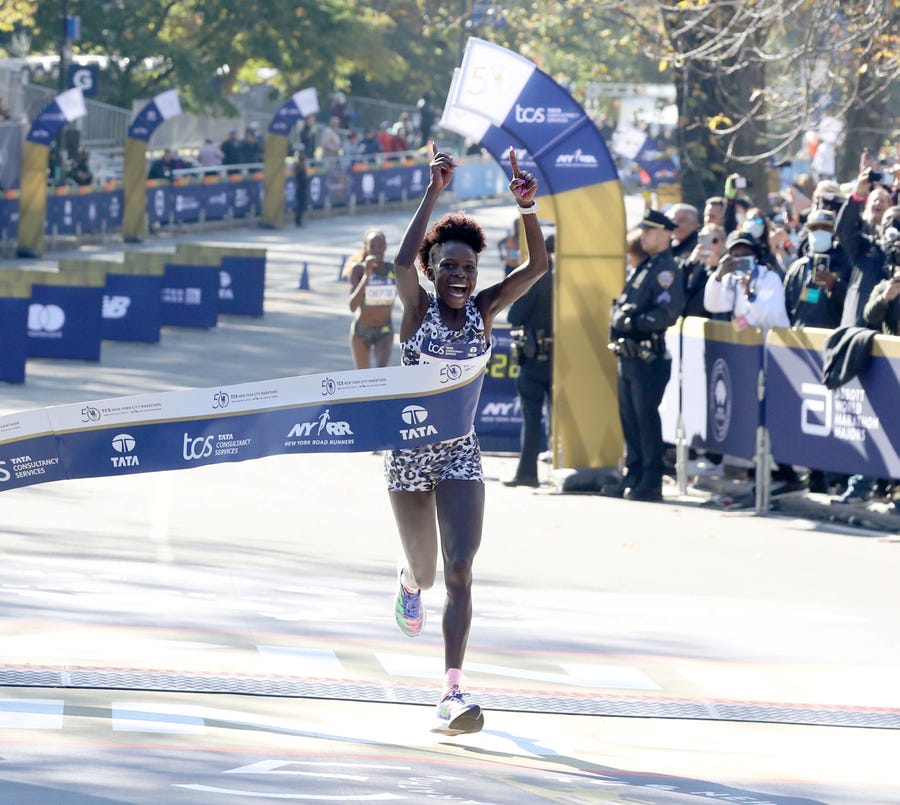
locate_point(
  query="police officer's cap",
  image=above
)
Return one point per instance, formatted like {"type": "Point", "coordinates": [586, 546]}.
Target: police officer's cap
{"type": "Point", "coordinates": [653, 219]}
{"type": "Point", "coordinates": [737, 237]}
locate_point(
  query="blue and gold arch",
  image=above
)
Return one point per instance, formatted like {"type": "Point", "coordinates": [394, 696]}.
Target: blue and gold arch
{"type": "Point", "coordinates": [497, 99]}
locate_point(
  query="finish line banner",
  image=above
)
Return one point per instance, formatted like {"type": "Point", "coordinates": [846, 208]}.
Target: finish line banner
{"type": "Point", "coordinates": [353, 411]}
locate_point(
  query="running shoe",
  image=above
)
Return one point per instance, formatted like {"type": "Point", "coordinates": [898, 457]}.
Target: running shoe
{"type": "Point", "coordinates": [455, 715]}
{"type": "Point", "coordinates": [408, 610]}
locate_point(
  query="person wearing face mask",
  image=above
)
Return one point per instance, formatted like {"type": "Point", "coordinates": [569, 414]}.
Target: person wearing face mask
{"type": "Point", "coordinates": [774, 249]}
{"type": "Point", "coordinates": [816, 284]}
{"type": "Point", "coordinates": [702, 264]}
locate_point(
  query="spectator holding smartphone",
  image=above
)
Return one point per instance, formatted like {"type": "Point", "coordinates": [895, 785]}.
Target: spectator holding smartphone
{"type": "Point", "coordinates": [816, 284]}
{"type": "Point", "coordinates": [744, 287]}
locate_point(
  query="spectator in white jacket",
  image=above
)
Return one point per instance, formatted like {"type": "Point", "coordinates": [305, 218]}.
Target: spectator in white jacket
{"type": "Point", "coordinates": [745, 288]}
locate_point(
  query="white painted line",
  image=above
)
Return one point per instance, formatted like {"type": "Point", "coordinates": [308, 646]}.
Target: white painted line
{"type": "Point", "coordinates": [306, 660]}
{"type": "Point", "coordinates": [155, 717]}
{"type": "Point", "coordinates": [31, 714]}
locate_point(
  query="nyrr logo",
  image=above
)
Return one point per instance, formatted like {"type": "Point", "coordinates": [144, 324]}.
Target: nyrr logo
{"type": "Point", "coordinates": [720, 395]}
{"type": "Point", "coordinates": [415, 415]}
{"type": "Point", "coordinates": [197, 448]}
{"type": "Point", "coordinates": [321, 425]}
{"type": "Point", "coordinates": [115, 307]}
{"type": "Point", "coordinates": [5, 474]}
{"type": "Point", "coordinates": [124, 444]}
{"type": "Point", "coordinates": [530, 114]}
{"type": "Point", "coordinates": [45, 318]}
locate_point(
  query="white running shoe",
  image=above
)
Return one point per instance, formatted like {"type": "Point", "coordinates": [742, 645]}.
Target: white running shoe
{"type": "Point", "coordinates": [455, 715]}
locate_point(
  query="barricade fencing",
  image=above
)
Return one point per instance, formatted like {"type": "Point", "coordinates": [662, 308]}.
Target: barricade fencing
{"type": "Point", "coordinates": [195, 201]}
{"type": "Point", "coordinates": [760, 396]}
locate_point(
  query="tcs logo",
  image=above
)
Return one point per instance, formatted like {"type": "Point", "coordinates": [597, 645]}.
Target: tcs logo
{"type": "Point", "coordinates": [46, 318]}
{"type": "Point", "coordinates": [4, 473]}
{"type": "Point", "coordinates": [197, 448]}
{"type": "Point", "coordinates": [530, 114]}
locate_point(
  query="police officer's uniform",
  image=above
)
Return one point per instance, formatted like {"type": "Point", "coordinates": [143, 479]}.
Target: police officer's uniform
{"type": "Point", "coordinates": [533, 343]}
{"type": "Point", "coordinates": [652, 300]}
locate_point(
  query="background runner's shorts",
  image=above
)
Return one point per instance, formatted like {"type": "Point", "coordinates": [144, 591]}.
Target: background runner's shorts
{"type": "Point", "coordinates": [419, 469]}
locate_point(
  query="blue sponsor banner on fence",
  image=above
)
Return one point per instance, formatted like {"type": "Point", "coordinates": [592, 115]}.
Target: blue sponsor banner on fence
{"type": "Point", "coordinates": [14, 338]}
{"type": "Point", "coordinates": [160, 205]}
{"type": "Point", "coordinates": [190, 296]}
{"type": "Point", "coordinates": [64, 321]}
{"type": "Point", "coordinates": [132, 305]}
{"type": "Point", "coordinates": [720, 404]}
{"type": "Point", "coordinates": [242, 282]}
{"type": "Point", "coordinates": [498, 421]}
{"type": "Point", "coordinates": [357, 411]}
{"type": "Point", "coordinates": [851, 429]}
{"type": "Point", "coordinates": [9, 218]}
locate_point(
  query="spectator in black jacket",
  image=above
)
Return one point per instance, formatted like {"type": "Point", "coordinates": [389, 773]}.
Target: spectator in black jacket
{"type": "Point", "coordinates": [816, 283]}
{"type": "Point", "coordinates": [859, 228]}
{"type": "Point", "coordinates": [687, 222]}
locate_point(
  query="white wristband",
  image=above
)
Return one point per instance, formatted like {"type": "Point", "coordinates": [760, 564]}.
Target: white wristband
{"type": "Point", "coordinates": [528, 210]}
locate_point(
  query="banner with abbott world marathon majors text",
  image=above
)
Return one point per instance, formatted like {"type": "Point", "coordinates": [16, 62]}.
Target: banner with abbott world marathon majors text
{"type": "Point", "coordinates": [498, 98]}
{"type": "Point", "coordinates": [351, 411]}
{"type": "Point", "coordinates": [300, 104]}
{"type": "Point", "coordinates": [66, 107]}
{"type": "Point", "coordinates": [134, 172]}
{"type": "Point", "coordinates": [851, 429]}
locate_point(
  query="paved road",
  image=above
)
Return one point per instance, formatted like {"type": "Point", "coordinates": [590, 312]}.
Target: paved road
{"type": "Point", "coordinates": [224, 635]}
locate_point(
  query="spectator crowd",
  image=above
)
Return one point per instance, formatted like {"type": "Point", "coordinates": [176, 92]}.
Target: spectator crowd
{"type": "Point", "coordinates": [823, 255]}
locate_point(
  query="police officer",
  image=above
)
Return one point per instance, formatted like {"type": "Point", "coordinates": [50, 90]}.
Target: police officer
{"type": "Point", "coordinates": [532, 318]}
{"type": "Point", "coordinates": [652, 301]}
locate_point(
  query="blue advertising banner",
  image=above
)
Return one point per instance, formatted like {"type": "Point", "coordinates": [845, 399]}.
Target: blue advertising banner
{"type": "Point", "coordinates": [242, 282]}
{"type": "Point", "coordinates": [132, 305]}
{"type": "Point", "coordinates": [66, 107]}
{"type": "Point", "coordinates": [29, 453]}
{"type": "Point", "coordinates": [160, 204]}
{"type": "Point", "coordinates": [720, 404]}
{"type": "Point", "coordinates": [498, 422]}
{"type": "Point", "coordinates": [850, 429]}
{"type": "Point", "coordinates": [190, 296]}
{"type": "Point", "coordinates": [13, 336]}
{"type": "Point", "coordinates": [216, 202]}
{"type": "Point", "coordinates": [9, 218]}
{"type": "Point", "coordinates": [244, 198]}
{"type": "Point", "coordinates": [355, 411]}
{"type": "Point", "coordinates": [162, 107]}
{"type": "Point", "coordinates": [64, 321]}
{"type": "Point", "coordinates": [187, 201]}
{"type": "Point", "coordinates": [366, 185]}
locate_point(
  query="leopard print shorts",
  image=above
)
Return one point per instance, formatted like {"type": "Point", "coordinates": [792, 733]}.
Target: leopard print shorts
{"type": "Point", "coordinates": [420, 469]}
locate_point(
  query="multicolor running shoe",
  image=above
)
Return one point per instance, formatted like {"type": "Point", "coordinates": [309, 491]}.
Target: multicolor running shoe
{"type": "Point", "coordinates": [408, 610]}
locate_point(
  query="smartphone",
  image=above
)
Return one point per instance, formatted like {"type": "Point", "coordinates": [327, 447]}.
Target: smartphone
{"type": "Point", "coordinates": [740, 183]}
{"type": "Point", "coordinates": [876, 177]}
{"type": "Point", "coordinates": [745, 266]}
{"type": "Point", "coordinates": [705, 239]}
{"type": "Point", "coordinates": [821, 262]}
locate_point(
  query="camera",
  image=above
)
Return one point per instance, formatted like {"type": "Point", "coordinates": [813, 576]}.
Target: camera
{"type": "Point", "coordinates": [876, 177]}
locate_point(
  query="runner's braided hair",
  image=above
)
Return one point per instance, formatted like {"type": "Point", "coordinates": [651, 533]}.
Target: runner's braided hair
{"type": "Point", "coordinates": [453, 226]}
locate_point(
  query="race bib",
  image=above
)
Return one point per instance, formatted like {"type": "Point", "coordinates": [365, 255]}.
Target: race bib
{"type": "Point", "coordinates": [380, 293]}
